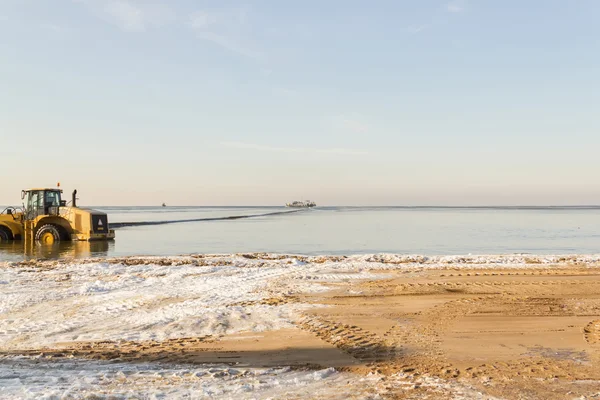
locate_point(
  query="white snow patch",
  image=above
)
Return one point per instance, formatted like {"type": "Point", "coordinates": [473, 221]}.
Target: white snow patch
{"type": "Point", "coordinates": [99, 301]}
{"type": "Point", "coordinates": [39, 378]}
{"type": "Point", "coordinates": [28, 378]}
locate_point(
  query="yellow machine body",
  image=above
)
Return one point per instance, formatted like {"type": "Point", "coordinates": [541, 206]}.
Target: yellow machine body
{"type": "Point", "coordinates": [46, 218]}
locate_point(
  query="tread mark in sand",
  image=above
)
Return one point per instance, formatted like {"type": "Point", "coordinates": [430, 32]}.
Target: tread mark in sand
{"type": "Point", "coordinates": [357, 342]}
{"type": "Point", "coordinates": [591, 332]}
{"type": "Point", "coordinates": [486, 286]}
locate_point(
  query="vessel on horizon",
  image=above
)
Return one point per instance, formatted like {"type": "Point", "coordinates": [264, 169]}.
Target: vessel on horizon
{"type": "Point", "coordinates": [301, 204]}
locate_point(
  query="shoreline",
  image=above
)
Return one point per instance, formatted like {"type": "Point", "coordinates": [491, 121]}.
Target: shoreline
{"type": "Point", "coordinates": [373, 260]}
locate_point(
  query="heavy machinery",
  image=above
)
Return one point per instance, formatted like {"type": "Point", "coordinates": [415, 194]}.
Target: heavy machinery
{"type": "Point", "coordinates": [46, 218]}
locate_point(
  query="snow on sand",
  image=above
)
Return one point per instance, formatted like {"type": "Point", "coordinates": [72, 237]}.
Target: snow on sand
{"type": "Point", "coordinates": [46, 303]}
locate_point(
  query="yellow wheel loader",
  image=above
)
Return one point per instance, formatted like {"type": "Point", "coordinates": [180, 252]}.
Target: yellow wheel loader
{"type": "Point", "coordinates": [46, 218]}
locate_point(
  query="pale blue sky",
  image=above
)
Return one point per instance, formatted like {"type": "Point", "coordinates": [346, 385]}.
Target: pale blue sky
{"type": "Point", "coordinates": [262, 102]}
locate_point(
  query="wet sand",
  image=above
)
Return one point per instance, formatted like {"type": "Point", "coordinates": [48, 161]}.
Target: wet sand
{"type": "Point", "coordinates": [507, 333]}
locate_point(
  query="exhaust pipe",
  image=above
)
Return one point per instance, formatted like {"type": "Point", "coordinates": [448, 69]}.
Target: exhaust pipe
{"type": "Point", "coordinates": [74, 202]}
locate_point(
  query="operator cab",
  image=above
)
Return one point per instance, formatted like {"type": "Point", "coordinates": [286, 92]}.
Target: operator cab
{"type": "Point", "coordinates": [42, 202]}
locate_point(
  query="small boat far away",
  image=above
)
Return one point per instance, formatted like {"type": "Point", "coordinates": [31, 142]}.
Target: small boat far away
{"type": "Point", "coordinates": [301, 204]}
{"type": "Point", "coordinates": [164, 205]}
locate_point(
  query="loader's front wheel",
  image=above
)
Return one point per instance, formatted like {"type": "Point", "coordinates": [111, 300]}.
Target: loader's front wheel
{"type": "Point", "coordinates": [5, 234]}
{"type": "Point", "coordinates": [48, 234]}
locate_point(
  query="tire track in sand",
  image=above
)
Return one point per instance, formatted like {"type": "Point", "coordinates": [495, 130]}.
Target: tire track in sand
{"type": "Point", "coordinates": [359, 343]}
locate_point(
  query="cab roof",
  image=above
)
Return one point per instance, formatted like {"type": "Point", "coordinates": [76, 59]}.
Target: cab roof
{"type": "Point", "coordinates": [43, 189]}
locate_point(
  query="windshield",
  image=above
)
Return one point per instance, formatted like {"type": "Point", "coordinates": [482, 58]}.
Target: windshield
{"type": "Point", "coordinates": [52, 199]}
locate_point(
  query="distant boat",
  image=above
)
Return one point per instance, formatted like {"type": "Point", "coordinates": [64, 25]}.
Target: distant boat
{"type": "Point", "coordinates": [301, 204]}
{"type": "Point", "coordinates": [164, 205]}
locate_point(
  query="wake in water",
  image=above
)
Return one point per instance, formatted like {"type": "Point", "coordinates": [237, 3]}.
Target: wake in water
{"type": "Point", "coordinates": [117, 225]}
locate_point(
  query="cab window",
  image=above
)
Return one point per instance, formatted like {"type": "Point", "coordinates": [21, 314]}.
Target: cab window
{"type": "Point", "coordinates": [34, 200]}
{"type": "Point", "coordinates": [52, 199]}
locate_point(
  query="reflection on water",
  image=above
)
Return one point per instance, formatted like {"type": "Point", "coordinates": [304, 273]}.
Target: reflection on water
{"type": "Point", "coordinates": [18, 250]}
{"type": "Point", "coordinates": [338, 230]}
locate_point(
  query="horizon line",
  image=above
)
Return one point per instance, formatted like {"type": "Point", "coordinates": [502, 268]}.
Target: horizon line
{"type": "Point", "coordinates": [374, 206]}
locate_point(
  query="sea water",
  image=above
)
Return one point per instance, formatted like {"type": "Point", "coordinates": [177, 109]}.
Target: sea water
{"type": "Point", "coordinates": [339, 230]}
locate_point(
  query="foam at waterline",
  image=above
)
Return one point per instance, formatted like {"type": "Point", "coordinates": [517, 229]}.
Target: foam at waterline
{"type": "Point", "coordinates": [370, 261]}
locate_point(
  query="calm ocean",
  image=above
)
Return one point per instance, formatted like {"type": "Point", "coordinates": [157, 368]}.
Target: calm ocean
{"type": "Point", "coordinates": [340, 230]}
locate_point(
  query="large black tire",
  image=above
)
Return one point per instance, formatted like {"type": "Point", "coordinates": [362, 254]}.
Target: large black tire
{"type": "Point", "coordinates": [48, 234]}
{"type": "Point", "coordinates": [5, 234]}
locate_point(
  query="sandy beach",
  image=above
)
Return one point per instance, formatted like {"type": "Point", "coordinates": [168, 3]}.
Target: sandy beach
{"type": "Point", "coordinates": [368, 326]}
{"type": "Point", "coordinates": [277, 200]}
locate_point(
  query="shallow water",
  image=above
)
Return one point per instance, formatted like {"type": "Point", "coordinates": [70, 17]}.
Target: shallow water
{"type": "Point", "coordinates": [339, 230]}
